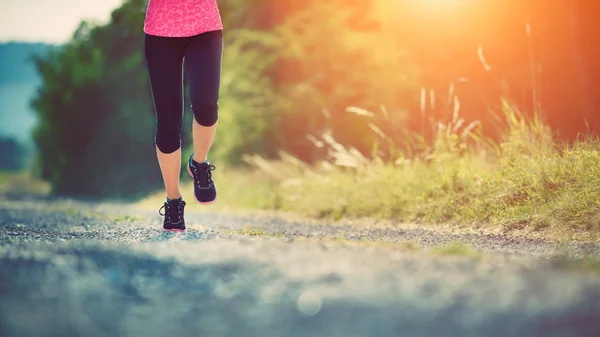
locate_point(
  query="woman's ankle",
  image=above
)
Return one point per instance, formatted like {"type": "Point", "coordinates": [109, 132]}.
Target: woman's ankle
{"type": "Point", "coordinates": [173, 197]}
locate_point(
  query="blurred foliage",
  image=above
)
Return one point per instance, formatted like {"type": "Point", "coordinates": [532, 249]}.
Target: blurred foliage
{"type": "Point", "coordinates": [95, 135]}
{"type": "Point", "coordinates": [334, 56]}
{"type": "Point", "coordinates": [95, 132]}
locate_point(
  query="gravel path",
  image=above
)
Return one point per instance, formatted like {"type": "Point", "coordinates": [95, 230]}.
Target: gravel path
{"type": "Point", "coordinates": [79, 269]}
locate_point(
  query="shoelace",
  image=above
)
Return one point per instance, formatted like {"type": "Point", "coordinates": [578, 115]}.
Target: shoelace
{"type": "Point", "coordinates": [172, 212]}
{"type": "Point", "coordinates": [204, 176]}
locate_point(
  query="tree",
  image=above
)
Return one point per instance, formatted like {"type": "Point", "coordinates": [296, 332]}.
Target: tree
{"type": "Point", "coordinates": [95, 115]}
{"type": "Point", "coordinates": [334, 55]}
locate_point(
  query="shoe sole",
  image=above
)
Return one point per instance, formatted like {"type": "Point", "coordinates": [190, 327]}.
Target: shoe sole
{"type": "Point", "coordinates": [200, 202]}
{"type": "Point", "coordinates": [174, 230]}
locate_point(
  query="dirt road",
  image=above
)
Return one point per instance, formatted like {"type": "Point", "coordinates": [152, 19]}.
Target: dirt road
{"type": "Point", "coordinates": [83, 269]}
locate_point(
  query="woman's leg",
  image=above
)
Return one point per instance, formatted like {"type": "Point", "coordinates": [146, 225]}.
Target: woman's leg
{"type": "Point", "coordinates": [203, 63]}
{"type": "Point", "coordinates": [164, 59]}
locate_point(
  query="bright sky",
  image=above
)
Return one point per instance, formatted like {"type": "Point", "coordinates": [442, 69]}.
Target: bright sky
{"type": "Point", "coordinates": [50, 21]}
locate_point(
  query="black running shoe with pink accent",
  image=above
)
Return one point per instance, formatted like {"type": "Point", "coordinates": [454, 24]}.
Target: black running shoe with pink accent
{"type": "Point", "coordinates": [174, 221]}
{"type": "Point", "coordinates": [204, 187]}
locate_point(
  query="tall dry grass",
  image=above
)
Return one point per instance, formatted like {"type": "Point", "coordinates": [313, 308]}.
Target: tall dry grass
{"type": "Point", "coordinates": [528, 180]}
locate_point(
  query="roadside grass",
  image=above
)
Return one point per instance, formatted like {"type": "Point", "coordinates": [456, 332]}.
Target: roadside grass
{"type": "Point", "coordinates": [15, 184]}
{"type": "Point", "coordinates": [458, 249]}
{"type": "Point", "coordinates": [128, 218]}
{"type": "Point", "coordinates": [527, 182]}
{"type": "Point", "coordinates": [583, 264]}
{"type": "Point", "coordinates": [252, 231]}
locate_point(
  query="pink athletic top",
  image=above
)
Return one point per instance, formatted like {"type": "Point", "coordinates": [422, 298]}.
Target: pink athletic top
{"type": "Point", "coordinates": [180, 18]}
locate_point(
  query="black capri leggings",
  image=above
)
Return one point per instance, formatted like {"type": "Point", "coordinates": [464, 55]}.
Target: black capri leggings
{"type": "Point", "coordinates": [164, 60]}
